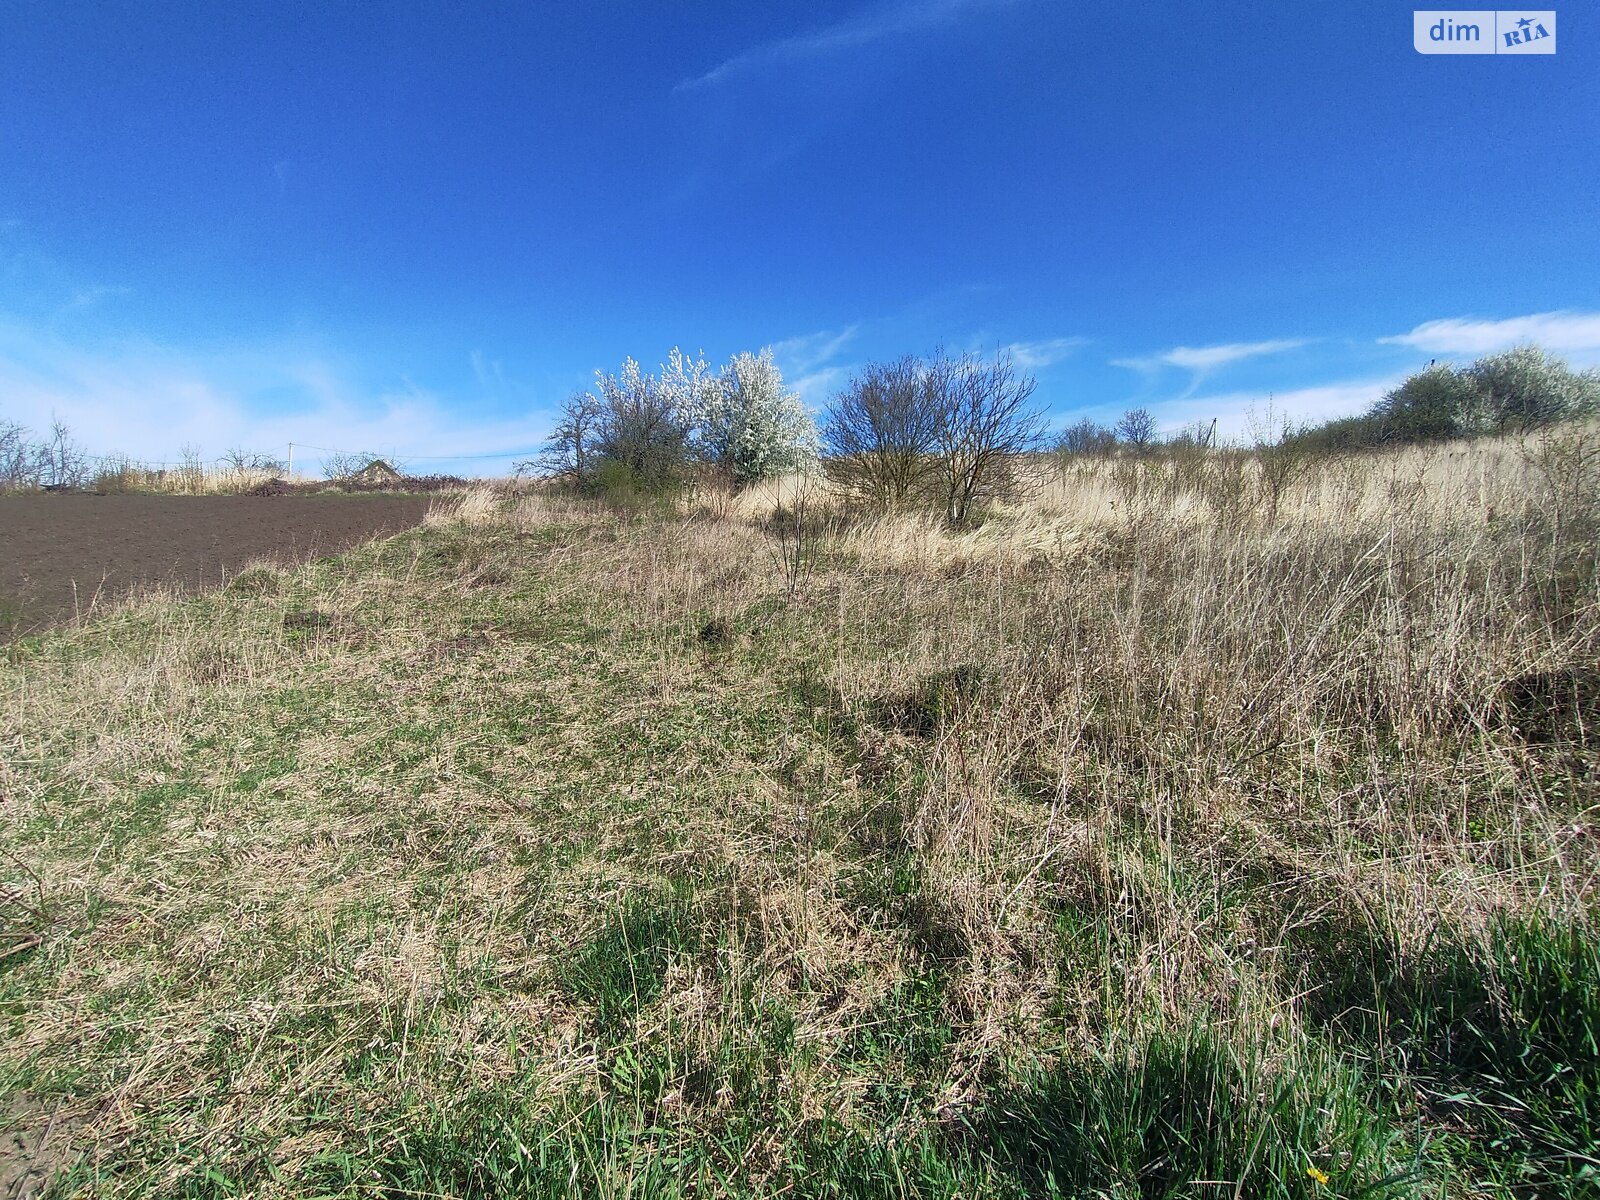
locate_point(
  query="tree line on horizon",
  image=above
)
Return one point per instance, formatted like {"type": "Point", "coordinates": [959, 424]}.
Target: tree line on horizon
{"type": "Point", "coordinates": [945, 429]}
{"type": "Point", "coordinates": [1516, 391]}
{"type": "Point", "coordinates": [950, 429]}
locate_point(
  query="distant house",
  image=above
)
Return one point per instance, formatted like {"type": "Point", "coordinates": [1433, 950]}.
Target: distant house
{"type": "Point", "coordinates": [377, 471]}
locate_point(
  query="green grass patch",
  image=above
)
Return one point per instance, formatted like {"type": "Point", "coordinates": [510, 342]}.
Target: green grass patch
{"type": "Point", "coordinates": [622, 968]}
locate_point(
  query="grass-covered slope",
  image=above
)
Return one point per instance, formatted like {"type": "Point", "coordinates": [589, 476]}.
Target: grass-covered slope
{"type": "Point", "coordinates": [567, 853]}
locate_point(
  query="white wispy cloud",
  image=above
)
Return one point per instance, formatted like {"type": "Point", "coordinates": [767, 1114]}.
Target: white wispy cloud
{"type": "Point", "coordinates": [148, 401]}
{"type": "Point", "coordinates": [876, 23]}
{"type": "Point", "coordinates": [807, 362]}
{"type": "Point", "coordinates": [1575, 333]}
{"type": "Point", "coordinates": [1234, 411]}
{"type": "Point", "coordinates": [1204, 359]}
{"type": "Point", "coordinates": [489, 372]}
{"type": "Point", "coordinates": [1033, 355]}
{"type": "Point", "coordinates": [92, 294]}
{"type": "Point", "coordinates": [817, 387]}
{"type": "Point", "coordinates": [798, 355]}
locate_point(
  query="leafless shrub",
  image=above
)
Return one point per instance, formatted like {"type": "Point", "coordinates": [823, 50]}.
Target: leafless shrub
{"type": "Point", "coordinates": [1085, 438]}
{"type": "Point", "coordinates": [632, 434]}
{"type": "Point", "coordinates": [1282, 455]}
{"type": "Point", "coordinates": [880, 434]}
{"type": "Point", "coordinates": [59, 461]}
{"type": "Point", "coordinates": [570, 452]}
{"type": "Point", "coordinates": [1136, 429]}
{"type": "Point", "coordinates": [951, 428]}
{"type": "Point", "coordinates": [16, 456]}
{"type": "Point", "coordinates": [984, 424]}
{"type": "Point", "coordinates": [244, 462]}
{"type": "Point", "coordinates": [120, 473]}
{"type": "Point", "coordinates": [794, 535]}
{"type": "Point", "coordinates": [190, 476]}
{"type": "Point", "coordinates": [342, 464]}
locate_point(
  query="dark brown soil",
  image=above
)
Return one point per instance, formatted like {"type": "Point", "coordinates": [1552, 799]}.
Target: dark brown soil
{"type": "Point", "coordinates": [61, 555]}
{"type": "Point", "coordinates": [35, 1144]}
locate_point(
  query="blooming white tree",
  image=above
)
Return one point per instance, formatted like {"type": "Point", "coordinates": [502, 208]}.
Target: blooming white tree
{"type": "Point", "coordinates": [1525, 388]}
{"type": "Point", "coordinates": [633, 427]}
{"type": "Point", "coordinates": [686, 383]}
{"type": "Point", "coordinates": [651, 427]}
{"type": "Point", "coordinates": [748, 422]}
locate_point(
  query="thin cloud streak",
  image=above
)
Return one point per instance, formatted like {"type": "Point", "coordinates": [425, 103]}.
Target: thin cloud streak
{"type": "Point", "coordinates": [1033, 355]}
{"type": "Point", "coordinates": [1203, 359]}
{"type": "Point", "coordinates": [489, 372]}
{"type": "Point", "coordinates": [799, 355]}
{"type": "Point", "coordinates": [875, 24]}
{"type": "Point", "coordinates": [1562, 332]}
{"type": "Point", "coordinates": [817, 388]}
{"type": "Point", "coordinates": [807, 363]}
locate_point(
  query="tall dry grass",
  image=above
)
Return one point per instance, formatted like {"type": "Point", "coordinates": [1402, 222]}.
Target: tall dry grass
{"type": "Point", "coordinates": [607, 835]}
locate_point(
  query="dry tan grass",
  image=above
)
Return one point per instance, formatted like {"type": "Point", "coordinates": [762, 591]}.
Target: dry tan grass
{"type": "Point", "coordinates": [478, 506]}
{"type": "Point", "coordinates": [210, 480]}
{"type": "Point", "coordinates": [373, 814]}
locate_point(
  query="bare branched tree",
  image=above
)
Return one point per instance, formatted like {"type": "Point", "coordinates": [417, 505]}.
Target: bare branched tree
{"type": "Point", "coordinates": [342, 464]}
{"type": "Point", "coordinates": [631, 432]}
{"type": "Point", "coordinates": [56, 461]}
{"type": "Point", "coordinates": [795, 533]}
{"type": "Point", "coordinates": [1086, 438]}
{"type": "Point", "coordinates": [1137, 428]}
{"type": "Point", "coordinates": [642, 428]}
{"type": "Point", "coordinates": [16, 456]}
{"type": "Point", "coordinates": [569, 451]}
{"type": "Point", "coordinates": [242, 462]}
{"type": "Point", "coordinates": [986, 422]}
{"type": "Point", "coordinates": [880, 433]}
{"type": "Point", "coordinates": [59, 461]}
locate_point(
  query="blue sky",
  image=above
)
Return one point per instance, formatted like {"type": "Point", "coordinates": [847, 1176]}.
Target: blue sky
{"type": "Point", "coordinates": [417, 228]}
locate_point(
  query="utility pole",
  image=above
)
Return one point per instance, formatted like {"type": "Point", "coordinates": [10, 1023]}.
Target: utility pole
{"type": "Point", "coordinates": [291, 460]}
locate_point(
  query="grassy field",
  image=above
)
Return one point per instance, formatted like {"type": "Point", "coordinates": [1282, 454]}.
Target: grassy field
{"type": "Point", "coordinates": [1130, 844]}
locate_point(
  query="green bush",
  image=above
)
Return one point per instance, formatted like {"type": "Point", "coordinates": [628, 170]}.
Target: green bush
{"type": "Point", "coordinates": [1525, 388]}
{"type": "Point", "coordinates": [1521, 389]}
{"type": "Point", "coordinates": [1434, 405]}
